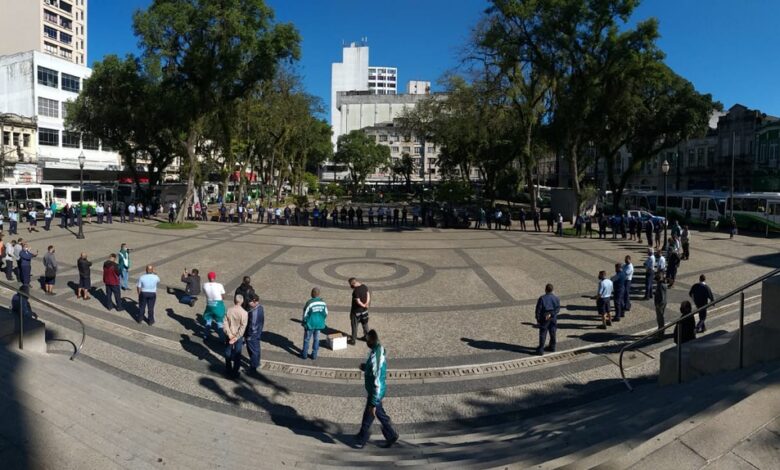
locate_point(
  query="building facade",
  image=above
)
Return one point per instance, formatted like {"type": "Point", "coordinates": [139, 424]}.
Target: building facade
{"type": "Point", "coordinates": [38, 86]}
{"type": "Point", "coordinates": [383, 80]}
{"type": "Point", "coordinates": [425, 155]}
{"type": "Point", "coordinates": [54, 27]}
{"type": "Point", "coordinates": [418, 87]}
{"type": "Point", "coordinates": [18, 148]}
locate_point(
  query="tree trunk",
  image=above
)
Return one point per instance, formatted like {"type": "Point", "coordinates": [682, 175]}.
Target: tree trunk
{"type": "Point", "coordinates": [531, 187]}
{"type": "Point", "coordinates": [192, 159]}
{"type": "Point", "coordinates": [575, 175]}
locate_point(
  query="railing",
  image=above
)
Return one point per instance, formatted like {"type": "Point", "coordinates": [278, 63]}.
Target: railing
{"type": "Point", "coordinates": [76, 347]}
{"type": "Point", "coordinates": [739, 290]}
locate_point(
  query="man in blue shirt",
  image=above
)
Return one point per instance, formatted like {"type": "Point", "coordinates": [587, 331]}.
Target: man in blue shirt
{"type": "Point", "coordinates": [618, 292]}
{"type": "Point", "coordinates": [254, 331]}
{"type": "Point", "coordinates": [603, 296]}
{"type": "Point", "coordinates": [147, 294]}
{"type": "Point", "coordinates": [25, 264]}
{"type": "Point", "coordinates": [547, 308]}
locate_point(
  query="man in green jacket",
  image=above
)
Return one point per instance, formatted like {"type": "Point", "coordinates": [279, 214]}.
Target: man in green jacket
{"type": "Point", "coordinates": [314, 313]}
{"type": "Point", "coordinates": [375, 371]}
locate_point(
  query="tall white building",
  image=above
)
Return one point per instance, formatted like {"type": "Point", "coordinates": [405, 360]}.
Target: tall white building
{"type": "Point", "coordinates": [418, 87]}
{"type": "Point", "coordinates": [37, 85]}
{"type": "Point", "coordinates": [55, 27]}
{"type": "Point", "coordinates": [354, 74]}
{"type": "Point", "coordinates": [383, 80]}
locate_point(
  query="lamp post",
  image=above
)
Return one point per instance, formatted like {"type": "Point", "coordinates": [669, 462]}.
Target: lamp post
{"type": "Point", "coordinates": [82, 160]}
{"type": "Point", "coordinates": [665, 171]}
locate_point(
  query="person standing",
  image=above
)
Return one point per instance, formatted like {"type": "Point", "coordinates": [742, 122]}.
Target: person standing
{"type": "Point", "coordinates": [659, 298]}
{"type": "Point", "coordinates": [50, 270]}
{"type": "Point", "coordinates": [649, 231]}
{"type": "Point", "coordinates": [361, 299]}
{"type": "Point", "coordinates": [359, 215]}
{"type": "Point", "coordinates": [559, 229]}
{"type": "Point", "coordinates": [685, 238]}
{"type": "Point", "coordinates": [660, 263]}
{"type": "Point", "coordinates": [215, 307]}
{"type": "Point", "coordinates": [9, 258]}
{"type": "Point", "coordinates": [13, 221]}
{"type": "Point", "coordinates": [701, 295]}
{"type": "Point", "coordinates": [618, 294]}
{"type": "Point", "coordinates": [649, 274]}
{"type": "Point", "coordinates": [685, 330]}
{"type": "Point", "coordinates": [628, 270]}
{"type": "Point", "coordinates": [375, 373]}
{"type": "Point", "coordinates": [47, 215]}
{"type": "Point", "coordinates": [246, 291]}
{"type": "Point", "coordinates": [25, 264]}
{"type": "Point", "coordinates": [603, 296]}
{"type": "Point", "coordinates": [109, 213]}
{"type": "Point", "coordinates": [124, 264]}
{"type": "Point", "coordinates": [254, 331]}
{"type": "Point", "coordinates": [314, 314]}
{"type": "Point", "coordinates": [111, 280]}
{"type": "Point", "coordinates": [234, 329]}
{"type": "Point", "coordinates": [537, 216]}
{"type": "Point", "coordinates": [131, 209]}
{"type": "Point", "coordinates": [85, 282]}
{"type": "Point", "coordinates": [547, 308]}
{"type": "Point", "coordinates": [147, 295]}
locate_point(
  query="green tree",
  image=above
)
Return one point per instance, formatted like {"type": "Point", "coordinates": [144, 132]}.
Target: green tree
{"type": "Point", "coordinates": [404, 167]}
{"type": "Point", "coordinates": [211, 53]}
{"type": "Point", "coordinates": [362, 155]}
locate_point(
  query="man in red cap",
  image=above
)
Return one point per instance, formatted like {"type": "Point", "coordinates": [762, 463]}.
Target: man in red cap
{"type": "Point", "coordinates": [215, 307]}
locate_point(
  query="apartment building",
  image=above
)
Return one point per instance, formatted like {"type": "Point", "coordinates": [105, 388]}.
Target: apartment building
{"type": "Point", "coordinates": [54, 27]}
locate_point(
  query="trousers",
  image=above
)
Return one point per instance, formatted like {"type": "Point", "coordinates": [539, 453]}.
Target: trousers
{"type": "Point", "coordinates": [368, 420]}
{"type": "Point", "coordinates": [113, 291]}
{"type": "Point", "coordinates": [146, 301]}
{"type": "Point", "coordinates": [550, 326]}
{"type": "Point", "coordinates": [354, 318]}
{"type": "Point", "coordinates": [233, 355]}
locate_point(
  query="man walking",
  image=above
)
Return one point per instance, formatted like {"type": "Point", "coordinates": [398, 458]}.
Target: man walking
{"type": "Point", "coordinates": [547, 308]}
{"type": "Point", "coordinates": [147, 295]}
{"type": "Point", "coordinates": [124, 265]}
{"type": "Point", "coordinates": [375, 371]}
{"type": "Point", "coordinates": [701, 295]}
{"type": "Point", "coordinates": [254, 332]}
{"type": "Point", "coordinates": [314, 314]}
{"type": "Point", "coordinates": [659, 298]}
{"type": "Point", "coordinates": [361, 299]}
{"type": "Point", "coordinates": [234, 328]}
{"type": "Point", "coordinates": [111, 281]}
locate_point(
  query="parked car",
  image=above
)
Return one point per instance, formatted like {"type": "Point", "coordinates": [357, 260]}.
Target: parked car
{"type": "Point", "coordinates": [645, 215]}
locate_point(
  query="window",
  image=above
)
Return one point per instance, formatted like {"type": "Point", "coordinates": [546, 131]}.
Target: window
{"type": "Point", "coordinates": [48, 77]}
{"type": "Point", "coordinates": [395, 149]}
{"type": "Point", "coordinates": [66, 38]}
{"type": "Point", "coordinates": [6, 138]}
{"type": "Point", "coordinates": [66, 23]}
{"type": "Point", "coordinates": [26, 140]}
{"type": "Point", "coordinates": [66, 6]}
{"type": "Point", "coordinates": [89, 142]}
{"type": "Point", "coordinates": [66, 53]}
{"type": "Point", "coordinates": [48, 108]}
{"type": "Point", "coordinates": [20, 194]}
{"type": "Point", "coordinates": [34, 193]}
{"type": "Point", "coordinates": [49, 137]}
{"type": "Point", "coordinates": [50, 32]}
{"type": "Point", "coordinates": [711, 157]}
{"type": "Point", "coordinates": [64, 110]}
{"type": "Point", "coordinates": [383, 137]}
{"type": "Point", "coordinates": [691, 158]}
{"type": "Point", "coordinates": [71, 83]}
{"type": "Point", "coordinates": [417, 150]}
{"type": "Point", "coordinates": [430, 149]}
{"type": "Point", "coordinates": [49, 16]}
{"type": "Point", "coordinates": [70, 139]}
{"type": "Point", "coordinates": [50, 48]}
{"type": "Point", "coordinates": [700, 156]}
{"type": "Point", "coordinates": [406, 149]}
{"type": "Point", "coordinates": [16, 139]}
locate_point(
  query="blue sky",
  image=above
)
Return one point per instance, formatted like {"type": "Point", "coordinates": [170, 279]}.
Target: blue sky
{"type": "Point", "coordinates": [725, 47]}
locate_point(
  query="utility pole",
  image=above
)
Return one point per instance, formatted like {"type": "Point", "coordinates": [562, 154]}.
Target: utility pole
{"type": "Point", "coordinates": [733, 157]}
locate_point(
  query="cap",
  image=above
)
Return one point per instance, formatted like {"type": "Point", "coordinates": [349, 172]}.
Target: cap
{"type": "Point", "coordinates": [212, 276]}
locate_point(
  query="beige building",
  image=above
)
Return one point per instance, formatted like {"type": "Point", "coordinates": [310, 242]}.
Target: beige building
{"type": "Point", "coordinates": [55, 27]}
{"type": "Point", "coordinates": [18, 146]}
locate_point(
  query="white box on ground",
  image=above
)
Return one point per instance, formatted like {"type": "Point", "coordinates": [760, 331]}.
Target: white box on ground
{"type": "Point", "coordinates": [337, 341]}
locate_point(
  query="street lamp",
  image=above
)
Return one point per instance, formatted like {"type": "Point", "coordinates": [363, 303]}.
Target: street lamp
{"type": "Point", "coordinates": [82, 160]}
{"type": "Point", "coordinates": [665, 171]}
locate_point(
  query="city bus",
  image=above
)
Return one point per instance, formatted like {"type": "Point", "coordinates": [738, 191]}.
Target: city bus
{"type": "Point", "coordinates": [93, 195]}
{"type": "Point", "coordinates": [756, 211]}
{"type": "Point", "coordinates": [41, 193]}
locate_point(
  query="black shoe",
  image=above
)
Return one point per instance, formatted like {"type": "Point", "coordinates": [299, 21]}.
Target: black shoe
{"type": "Point", "coordinates": [389, 443]}
{"type": "Point", "coordinates": [359, 442]}
{"type": "Point", "coordinates": [540, 352]}
{"type": "Point", "coordinates": [351, 342]}
{"type": "Point", "coordinates": [550, 349]}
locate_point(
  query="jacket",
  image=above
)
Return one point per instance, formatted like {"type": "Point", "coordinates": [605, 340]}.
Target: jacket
{"type": "Point", "coordinates": [110, 273]}
{"type": "Point", "coordinates": [124, 259]}
{"type": "Point", "coordinates": [255, 322]}
{"type": "Point", "coordinates": [701, 294]}
{"type": "Point", "coordinates": [547, 304]}
{"type": "Point", "coordinates": [314, 313]}
{"type": "Point", "coordinates": [375, 375]}
{"type": "Point", "coordinates": [246, 291]}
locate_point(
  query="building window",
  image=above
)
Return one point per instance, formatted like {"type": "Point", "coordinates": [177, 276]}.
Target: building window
{"type": "Point", "coordinates": [47, 77]}
{"type": "Point", "coordinates": [49, 48]}
{"type": "Point", "coordinates": [383, 137]}
{"type": "Point", "coordinates": [71, 83]}
{"type": "Point", "coordinates": [49, 137]}
{"type": "Point", "coordinates": [66, 23]}
{"type": "Point", "coordinates": [66, 53]}
{"type": "Point", "coordinates": [395, 149]}
{"type": "Point", "coordinates": [66, 6]}
{"type": "Point", "coordinates": [49, 32]}
{"type": "Point", "coordinates": [50, 16]}
{"type": "Point", "coordinates": [406, 149]}
{"type": "Point", "coordinates": [66, 38]}
{"type": "Point", "coordinates": [70, 139]}
{"type": "Point", "coordinates": [6, 138]}
{"type": "Point", "coordinates": [26, 140]}
{"type": "Point", "coordinates": [700, 157]}
{"type": "Point", "coordinates": [691, 159]}
{"type": "Point", "coordinates": [48, 108]}
{"type": "Point", "coordinates": [16, 139]}
{"type": "Point", "coordinates": [431, 149]}
{"type": "Point", "coordinates": [89, 142]}
{"type": "Point", "coordinates": [65, 110]}
{"type": "Point", "coordinates": [417, 150]}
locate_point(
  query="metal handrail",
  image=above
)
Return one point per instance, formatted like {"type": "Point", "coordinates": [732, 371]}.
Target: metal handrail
{"type": "Point", "coordinates": [76, 348]}
{"type": "Point", "coordinates": [654, 334]}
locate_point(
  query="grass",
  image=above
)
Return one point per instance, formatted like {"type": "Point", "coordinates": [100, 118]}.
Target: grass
{"type": "Point", "coordinates": [182, 226]}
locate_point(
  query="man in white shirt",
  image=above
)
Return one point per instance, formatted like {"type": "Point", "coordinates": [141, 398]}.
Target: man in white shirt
{"type": "Point", "coordinates": [215, 307]}
{"type": "Point", "coordinates": [649, 274]}
{"type": "Point", "coordinates": [660, 263]}
{"type": "Point", "coordinates": [131, 211]}
{"type": "Point", "coordinates": [628, 270]}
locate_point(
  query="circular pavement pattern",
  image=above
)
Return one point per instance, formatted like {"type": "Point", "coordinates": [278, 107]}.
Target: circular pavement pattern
{"type": "Point", "coordinates": [382, 273]}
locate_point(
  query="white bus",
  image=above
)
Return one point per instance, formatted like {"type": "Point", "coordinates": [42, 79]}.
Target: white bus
{"type": "Point", "coordinates": [42, 193]}
{"type": "Point", "coordinates": [93, 195]}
